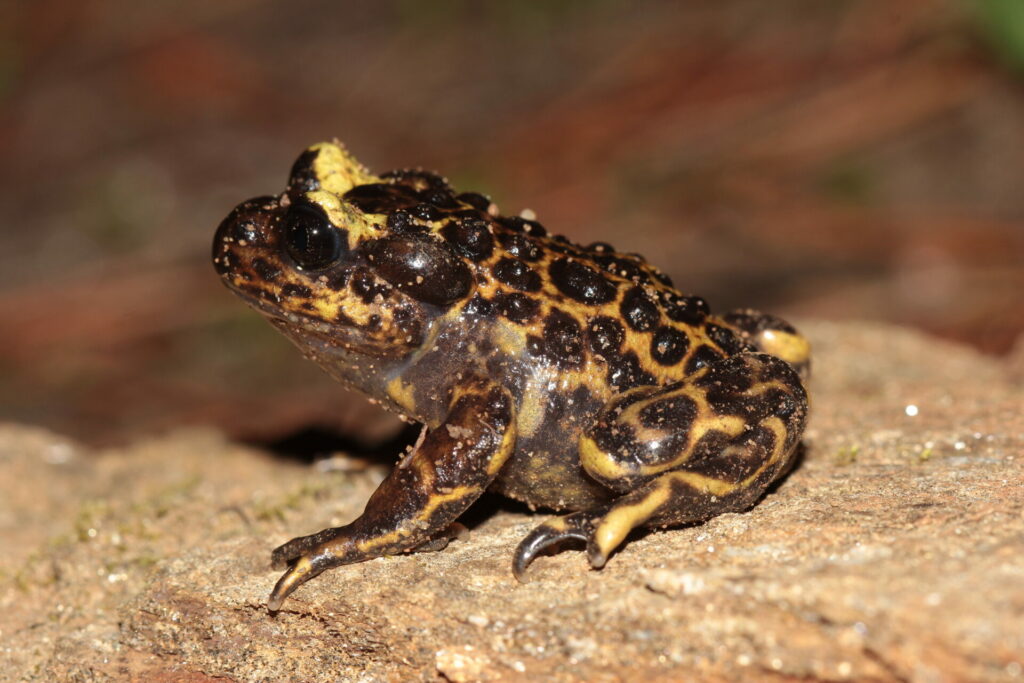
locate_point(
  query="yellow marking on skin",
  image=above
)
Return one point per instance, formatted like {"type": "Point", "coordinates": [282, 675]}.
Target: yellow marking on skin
{"type": "Point", "coordinates": [599, 463]}
{"type": "Point", "coordinates": [776, 425]}
{"type": "Point", "coordinates": [622, 519]}
{"type": "Point", "coordinates": [605, 465]}
{"type": "Point", "coordinates": [292, 578]}
{"type": "Point", "coordinates": [337, 170]}
{"type": "Point", "coordinates": [417, 522]}
{"type": "Point", "coordinates": [402, 394]}
{"type": "Point", "coordinates": [534, 405]}
{"type": "Point", "coordinates": [616, 525]}
{"type": "Point", "coordinates": [510, 339]}
{"type": "Point", "coordinates": [340, 214]}
{"type": "Point", "coordinates": [557, 524]}
{"type": "Point", "coordinates": [733, 425]}
{"type": "Point", "coordinates": [792, 348]}
{"type": "Point", "coordinates": [504, 452]}
{"type": "Point", "coordinates": [704, 483]}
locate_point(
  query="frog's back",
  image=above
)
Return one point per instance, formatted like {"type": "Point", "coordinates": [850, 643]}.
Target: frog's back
{"type": "Point", "coordinates": [610, 315]}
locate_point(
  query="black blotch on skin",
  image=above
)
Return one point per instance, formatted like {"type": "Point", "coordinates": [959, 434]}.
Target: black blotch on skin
{"type": "Point", "coordinates": [518, 224]}
{"type": "Point", "coordinates": [726, 380]}
{"type": "Point", "coordinates": [478, 306]}
{"type": "Point", "coordinates": [707, 456]}
{"type": "Point", "coordinates": [440, 198]}
{"type": "Point", "coordinates": [367, 287]}
{"type": "Point", "coordinates": [640, 313]}
{"type": "Point", "coordinates": [471, 238]}
{"type": "Point", "coordinates": [426, 212]}
{"type": "Point", "coordinates": [475, 199]}
{"type": "Point", "coordinates": [581, 282]}
{"type": "Point", "coordinates": [600, 248]}
{"type": "Point", "coordinates": [616, 438]}
{"type": "Point", "coordinates": [622, 267]}
{"type": "Point", "coordinates": [408, 320]}
{"type": "Point", "coordinates": [517, 275]}
{"type": "Point", "coordinates": [401, 221]}
{"type": "Point", "coordinates": [625, 372]}
{"type": "Point", "coordinates": [513, 223]}
{"type": "Point", "coordinates": [690, 310]}
{"type": "Point", "coordinates": [381, 197]}
{"type": "Point", "coordinates": [519, 246]}
{"type": "Point", "coordinates": [702, 355]}
{"type": "Point", "coordinates": [417, 179]}
{"type": "Point", "coordinates": [605, 336]}
{"type": "Point", "coordinates": [302, 179]}
{"type": "Point", "coordinates": [519, 308]}
{"type": "Point", "coordinates": [424, 268]}
{"type": "Point", "coordinates": [265, 270]}
{"type": "Point", "coordinates": [338, 280]}
{"type": "Point", "coordinates": [671, 413]}
{"type": "Point", "coordinates": [374, 322]}
{"type": "Point", "coordinates": [562, 342]}
{"type": "Point", "coordinates": [295, 290]}
{"type": "Point", "coordinates": [725, 339]}
{"type": "Point", "coordinates": [668, 345]}
{"type": "Point", "coordinates": [753, 322]}
{"type": "Point", "coordinates": [662, 278]}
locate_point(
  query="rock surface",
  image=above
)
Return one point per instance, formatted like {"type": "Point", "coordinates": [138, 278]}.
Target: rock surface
{"type": "Point", "coordinates": [895, 551]}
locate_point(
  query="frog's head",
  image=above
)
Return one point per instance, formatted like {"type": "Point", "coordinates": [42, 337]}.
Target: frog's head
{"type": "Point", "coordinates": [344, 261]}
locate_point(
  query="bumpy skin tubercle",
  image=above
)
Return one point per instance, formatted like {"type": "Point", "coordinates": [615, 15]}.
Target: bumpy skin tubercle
{"type": "Point", "coordinates": [568, 377]}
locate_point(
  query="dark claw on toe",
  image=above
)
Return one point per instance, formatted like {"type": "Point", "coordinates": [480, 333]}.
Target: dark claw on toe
{"type": "Point", "coordinates": [572, 527]}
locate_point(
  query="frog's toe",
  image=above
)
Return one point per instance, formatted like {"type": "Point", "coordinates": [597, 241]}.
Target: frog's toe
{"type": "Point", "coordinates": [288, 552]}
{"type": "Point", "coordinates": [574, 527]}
{"type": "Point", "coordinates": [304, 569]}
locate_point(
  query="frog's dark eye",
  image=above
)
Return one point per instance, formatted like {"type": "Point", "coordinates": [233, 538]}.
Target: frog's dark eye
{"type": "Point", "coordinates": [310, 239]}
{"type": "Point", "coordinates": [422, 268]}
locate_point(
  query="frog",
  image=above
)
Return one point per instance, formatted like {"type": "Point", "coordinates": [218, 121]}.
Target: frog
{"type": "Point", "coordinates": [575, 379]}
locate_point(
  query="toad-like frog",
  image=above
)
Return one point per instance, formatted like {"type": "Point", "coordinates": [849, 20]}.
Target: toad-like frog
{"type": "Point", "coordinates": [572, 378]}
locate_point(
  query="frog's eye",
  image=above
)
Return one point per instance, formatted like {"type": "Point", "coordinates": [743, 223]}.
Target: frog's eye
{"type": "Point", "coordinates": [422, 268]}
{"type": "Point", "coordinates": [310, 239]}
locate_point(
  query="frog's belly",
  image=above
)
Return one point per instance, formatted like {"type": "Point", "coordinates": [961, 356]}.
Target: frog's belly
{"type": "Point", "coordinates": [545, 468]}
{"type": "Point", "coordinates": [549, 479]}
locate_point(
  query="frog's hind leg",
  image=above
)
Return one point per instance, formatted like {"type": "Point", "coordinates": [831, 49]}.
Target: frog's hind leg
{"type": "Point", "coordinates": [683, 453]}
{"type": "Point", "coordinates": [773, 335]}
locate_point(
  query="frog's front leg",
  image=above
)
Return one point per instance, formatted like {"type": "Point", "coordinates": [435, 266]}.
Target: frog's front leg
{"type": "Point", "coordinates": [421, 496]}
{"type": "Point", "coordinates": [683, 453]}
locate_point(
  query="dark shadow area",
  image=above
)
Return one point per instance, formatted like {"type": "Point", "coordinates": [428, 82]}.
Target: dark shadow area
{"type": "Point", "coordinates": [316, 442]}
{"type": "Point", "coordinates": [490, 504]}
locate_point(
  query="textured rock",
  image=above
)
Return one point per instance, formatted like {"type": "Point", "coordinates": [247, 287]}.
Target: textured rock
{"type": "Point", "coordinates": [895, 551]}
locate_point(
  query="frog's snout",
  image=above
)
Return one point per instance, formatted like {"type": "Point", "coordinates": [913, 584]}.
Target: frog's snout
{"type": "Point", "coordinates": [248, 227]}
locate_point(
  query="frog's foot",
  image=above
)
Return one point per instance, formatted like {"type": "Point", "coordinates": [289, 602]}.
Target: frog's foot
{"type": "Point", "coordinates": [288, 552]}
{"type": "Point", "coordinates": [416, 504]}
{"type": "Point", "coordinates": [674, 498]}
{"type": "Point", "coordinates": [306, 557]}
{"type": "Point", "coordinates": [577, 527]}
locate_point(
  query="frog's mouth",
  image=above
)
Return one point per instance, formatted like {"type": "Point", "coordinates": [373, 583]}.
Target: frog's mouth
{"type": "Point", "coordinates": [326, 342]}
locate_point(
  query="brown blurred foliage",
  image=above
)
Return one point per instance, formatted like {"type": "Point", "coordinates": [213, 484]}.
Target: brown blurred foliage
{"type": "Point", "coordinates": [842, 159]}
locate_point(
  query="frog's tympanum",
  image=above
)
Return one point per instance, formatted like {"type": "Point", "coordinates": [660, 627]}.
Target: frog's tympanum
{"type": "Point", "coordinates": [572, 378]}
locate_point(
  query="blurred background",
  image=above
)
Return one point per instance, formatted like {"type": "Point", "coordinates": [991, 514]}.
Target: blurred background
{"type": "Point", "coordinates": [840, 159]}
